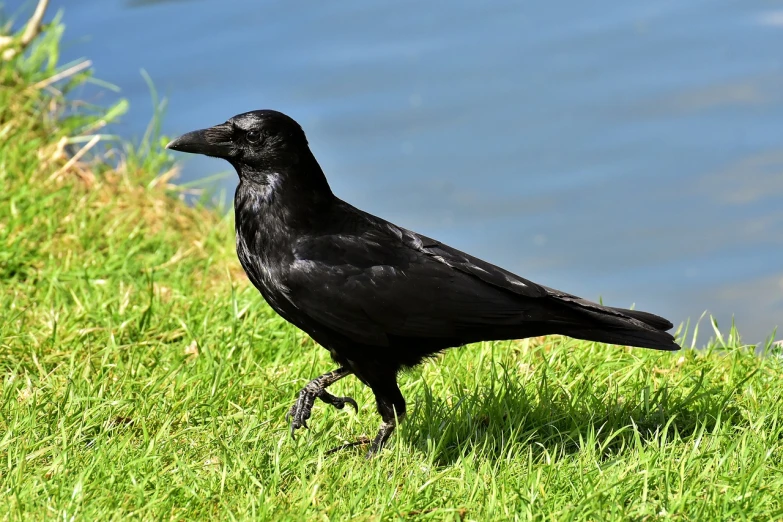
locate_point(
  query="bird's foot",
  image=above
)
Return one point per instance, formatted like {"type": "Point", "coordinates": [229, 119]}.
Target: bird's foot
{"type": "Point", "coordinates": [338, 402]}
{"type": "Point", "coordinates": [375, 445]}
{"type": "Point", "coordinates": [363, 441]}
{"type": "Point", "coordinates": [383, 435]}
{"type": "Point", "coordinates": [302, 408]}
{"type": "Point", "coordinates": [300, 411]}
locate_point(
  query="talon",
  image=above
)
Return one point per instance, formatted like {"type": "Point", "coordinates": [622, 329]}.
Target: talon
{"type": "Point", "coordinates": [338, 402]}
{"type": "Point", "coordinates": [300, 411]}
{"type": "Point", "coordinates": [352, 403]}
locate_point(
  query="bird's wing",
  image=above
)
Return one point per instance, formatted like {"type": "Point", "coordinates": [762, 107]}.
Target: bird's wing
{"type": "Point", "coordinates": [470, 265]}
{"type": "Point", "coordinates": [391, 283]}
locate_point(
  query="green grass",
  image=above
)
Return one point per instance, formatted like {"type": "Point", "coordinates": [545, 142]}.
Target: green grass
{"type": "Point", "coordinates": [142, 376]}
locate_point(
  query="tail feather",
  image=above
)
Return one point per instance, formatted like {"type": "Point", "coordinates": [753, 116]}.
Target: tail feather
{"type": "Point", "coordinates": [593, 322]}
{"type": "Point", "coordinates": [653, 320]}
{"type": "Point", "coordinates": [656, 340]}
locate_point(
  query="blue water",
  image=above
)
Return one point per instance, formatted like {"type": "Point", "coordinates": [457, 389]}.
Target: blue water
{"type": "Point", "coordinates": [626, 150]}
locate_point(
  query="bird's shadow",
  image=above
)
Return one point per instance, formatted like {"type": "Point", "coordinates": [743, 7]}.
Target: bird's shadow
{"type": "Point", "coordinates": [510, 416]}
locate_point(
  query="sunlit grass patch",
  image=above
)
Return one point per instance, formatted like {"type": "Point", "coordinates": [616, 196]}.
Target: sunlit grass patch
{"type": "Point", "coordinates": [143, 377]}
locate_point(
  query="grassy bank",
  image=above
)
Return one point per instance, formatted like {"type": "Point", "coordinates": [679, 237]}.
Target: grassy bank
{"type": "Point", "coordinates": [142, 377]}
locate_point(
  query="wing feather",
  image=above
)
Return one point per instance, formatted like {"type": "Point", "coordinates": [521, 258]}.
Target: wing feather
{"type": "Point", "coordinates": [371, 293]}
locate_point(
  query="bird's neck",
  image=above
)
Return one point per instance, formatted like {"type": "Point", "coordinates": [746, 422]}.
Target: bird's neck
{"type": "Point", "coordinates": [283, 201]}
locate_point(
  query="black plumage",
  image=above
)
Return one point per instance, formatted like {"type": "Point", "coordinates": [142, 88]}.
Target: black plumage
{"type": "Point", "coordinates": [377, 296]}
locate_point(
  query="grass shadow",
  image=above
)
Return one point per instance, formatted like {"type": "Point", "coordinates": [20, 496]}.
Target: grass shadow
{"type": "Point", "coordinates": [539, 418]}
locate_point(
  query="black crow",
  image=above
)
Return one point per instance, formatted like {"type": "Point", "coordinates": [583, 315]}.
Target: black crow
{"type": "Point", "coordinates": [379, 297]}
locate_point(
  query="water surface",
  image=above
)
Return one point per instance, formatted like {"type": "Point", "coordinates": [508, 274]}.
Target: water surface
{"type": "Point", "coordinates": [626, 150]}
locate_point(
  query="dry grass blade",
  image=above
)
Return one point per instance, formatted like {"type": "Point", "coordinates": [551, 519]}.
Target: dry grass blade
{"type": "Point", "coordinates": [32, 30]}
{"type": "Point", "coordinates": [70, 71]}
{"type": "Point", "coordinates": [76, 157]}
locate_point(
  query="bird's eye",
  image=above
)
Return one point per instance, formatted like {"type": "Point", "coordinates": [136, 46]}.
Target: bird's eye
{"type": "Point", "coordinates": [253, 136]}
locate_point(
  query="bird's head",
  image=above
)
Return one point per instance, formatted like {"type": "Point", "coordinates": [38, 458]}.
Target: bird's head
{"type": "Point", "coordinates": [255, 143]}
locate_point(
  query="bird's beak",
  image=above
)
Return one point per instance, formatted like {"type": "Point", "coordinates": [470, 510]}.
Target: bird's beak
{"type": "Point", "coordinates": [214, 141]}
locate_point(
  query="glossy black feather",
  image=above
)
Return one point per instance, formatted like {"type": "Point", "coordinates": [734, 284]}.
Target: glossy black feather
{"type": "Point", "coordinates": [377, 296]}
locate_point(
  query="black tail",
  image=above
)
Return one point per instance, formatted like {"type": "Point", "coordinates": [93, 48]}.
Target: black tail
{"type": "Point", "coordinates": [653, 320]}
{"type": "Point", "coordinates": [593, 322]}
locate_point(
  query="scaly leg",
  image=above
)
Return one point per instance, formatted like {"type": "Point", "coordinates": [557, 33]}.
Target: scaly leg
{"type": "Point", "coordinates": [300, 411]}
{"type": "Point", "coordinates": [391, 406]}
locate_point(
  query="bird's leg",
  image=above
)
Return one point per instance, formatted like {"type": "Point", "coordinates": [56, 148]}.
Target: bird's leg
{"type": "Point", "coordinates": [391, 406]}
{"type": "Point", "coordinates": [300, 411]}
{"type": "Point", "coordinates": [387, 427]}
{"type": "Point", "coordinates": [385, 431]}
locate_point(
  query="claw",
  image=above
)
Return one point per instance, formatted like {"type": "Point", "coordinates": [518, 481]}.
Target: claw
{"type": "Point", "coordinates": [352, 403]}
{"type": "Point", "coordinates": [300, 411]}
{"type": "Point", "coordinates": [338, 402]}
